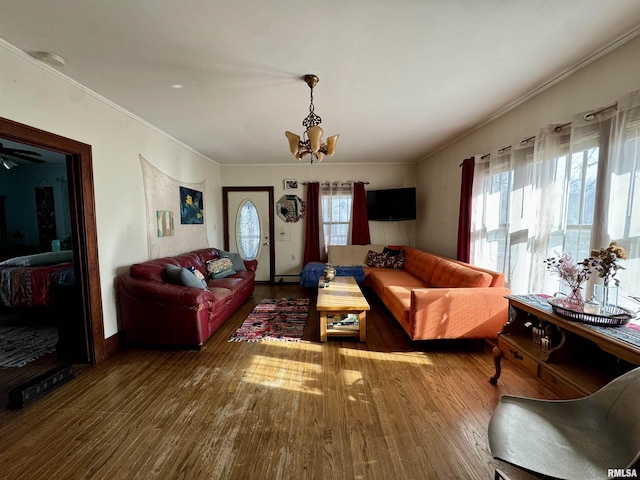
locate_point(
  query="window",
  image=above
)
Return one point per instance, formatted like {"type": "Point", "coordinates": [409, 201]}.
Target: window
{"type": "Point", "coordinates": [248, 230]}
{"type": "Point", "coordinates": [578, 190]}
{"type": "Point", "coordinates": [582, 173]}
{"type": "Point", "coordinates": [337, 202]}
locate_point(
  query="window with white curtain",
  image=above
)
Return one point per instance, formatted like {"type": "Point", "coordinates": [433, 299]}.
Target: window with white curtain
{"type": "Point", "coordinates": [336, 200]}
{"type": "Point", "coordinates": [576, 189]}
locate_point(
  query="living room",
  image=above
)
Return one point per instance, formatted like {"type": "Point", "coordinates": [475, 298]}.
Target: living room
{"type": "Point", "coordinates": [45, 98]}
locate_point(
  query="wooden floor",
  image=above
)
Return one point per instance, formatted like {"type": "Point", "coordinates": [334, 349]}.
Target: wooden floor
{"type": "Point", "coordinates": [384, 409]}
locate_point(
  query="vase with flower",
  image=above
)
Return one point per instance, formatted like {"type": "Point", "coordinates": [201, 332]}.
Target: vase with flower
{"type": "Point", "coordinates": [572, 274]}
{"type": "Point", "coordinates": [605, 262]}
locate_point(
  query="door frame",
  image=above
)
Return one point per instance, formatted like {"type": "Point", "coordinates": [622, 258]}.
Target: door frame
{"type": "Point", "coordinates": [225, 221]}
{"type": "Point", "coordinates": [83, 224]}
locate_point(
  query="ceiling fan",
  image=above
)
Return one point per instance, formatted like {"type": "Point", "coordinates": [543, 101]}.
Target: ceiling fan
{"type": "Point", "coordinates": [17, 153]}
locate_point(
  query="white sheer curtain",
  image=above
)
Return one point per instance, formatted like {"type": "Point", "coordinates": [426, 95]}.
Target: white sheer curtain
{"type": "Point", "coordinates": [549, 200]}
{"type": "Point", "coordinates": [576, 190]}
{"type": "Point", "coordinates": [502, 212]}
{"type": "Point", "coordinates": [619, 219]}
{"type": "Point", "coordinates": [335, 214]}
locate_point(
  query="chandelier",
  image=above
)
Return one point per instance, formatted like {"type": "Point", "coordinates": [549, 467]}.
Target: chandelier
{"type": "Point", "coordinates": [311, 142]}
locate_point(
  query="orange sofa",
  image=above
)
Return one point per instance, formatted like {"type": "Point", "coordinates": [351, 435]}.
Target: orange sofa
{"type": "Point", "coordinates": [435, 297]}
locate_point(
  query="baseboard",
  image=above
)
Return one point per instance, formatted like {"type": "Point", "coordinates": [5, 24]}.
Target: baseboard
{"type": "Point", "coordinates": [38, 387]}
{"type": "Point", "coordinates": [112, 344]}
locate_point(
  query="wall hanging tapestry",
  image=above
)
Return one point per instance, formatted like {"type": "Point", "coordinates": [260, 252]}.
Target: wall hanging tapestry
{"type": "Point", "coordinates": [280, 319]}
{"type": "Point", "coordinates": [46, 215]}
{"type": "Point", "coordinates": [162, 196]}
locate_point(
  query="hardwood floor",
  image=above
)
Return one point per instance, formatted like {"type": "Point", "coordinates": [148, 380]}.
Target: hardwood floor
{"type": "Point", "coordinates": [384, 409]}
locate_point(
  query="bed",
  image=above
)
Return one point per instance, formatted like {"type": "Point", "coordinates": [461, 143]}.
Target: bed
{"type": "Point", "coordinates": [30, 281]}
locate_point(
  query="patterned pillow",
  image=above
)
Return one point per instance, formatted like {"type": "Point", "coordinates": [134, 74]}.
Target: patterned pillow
{"type": "Point", "coordinates": [377, 260]}
{"type": "Point", "coordinates": [218, 266]}
{"type": "Point", "coordinates": [236, 260]}
{"type": "Point", "coordinates": [396, 261]}
{"type": "Point", "coordinates": [198, 275]}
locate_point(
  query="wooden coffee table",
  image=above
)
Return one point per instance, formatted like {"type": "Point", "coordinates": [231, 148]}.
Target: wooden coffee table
{"type": "Point", "coordinates": [343, 309]}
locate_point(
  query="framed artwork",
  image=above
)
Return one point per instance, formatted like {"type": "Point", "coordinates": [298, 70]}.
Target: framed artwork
{"type": "Point", "coordinates": [191, 206]}
{"type": "Point", "coordinates": [291, 184]}
{"type": "Point", "coordinates": [164, 220]}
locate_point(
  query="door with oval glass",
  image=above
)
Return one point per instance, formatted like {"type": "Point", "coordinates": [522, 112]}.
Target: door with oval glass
{"type": "Point", "coordinates": [248, 226]}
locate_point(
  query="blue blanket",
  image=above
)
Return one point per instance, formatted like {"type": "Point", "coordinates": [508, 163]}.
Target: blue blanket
{"type": "Point", "coordinates": [313, 271]}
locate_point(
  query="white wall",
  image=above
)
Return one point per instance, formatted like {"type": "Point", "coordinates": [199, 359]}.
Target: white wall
{"type": "Point", "coordinates": [36, 95]}
{"type": "Point", "coordinates": [598, 84]}
{"type": "Point", "coordinates": [289, 252]}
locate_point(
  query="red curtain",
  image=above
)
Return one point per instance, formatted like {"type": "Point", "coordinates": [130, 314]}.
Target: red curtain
{"type": "Point", "coordinates": [464, 220]}
{"type": "Point", "coordinates": [312, 228]}
{"type": "Point", "coordinates": [360, 223]}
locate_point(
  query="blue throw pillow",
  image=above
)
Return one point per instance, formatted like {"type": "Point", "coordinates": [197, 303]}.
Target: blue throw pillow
{"type": "Point", "coordinates": [224, 273]}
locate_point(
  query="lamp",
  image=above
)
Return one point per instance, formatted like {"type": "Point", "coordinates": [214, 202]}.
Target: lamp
{"type": "Point", "coordinates": [311, 142]}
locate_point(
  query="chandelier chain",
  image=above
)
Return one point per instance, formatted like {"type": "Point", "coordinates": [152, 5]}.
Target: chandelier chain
{"type": "Point", "coordinates": [312, 119]}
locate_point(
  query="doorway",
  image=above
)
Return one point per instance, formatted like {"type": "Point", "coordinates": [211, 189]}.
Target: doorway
{"type": "Point", "coordinates": [259, 201]}
{"type": "Point", "coordinates": [90, 344]}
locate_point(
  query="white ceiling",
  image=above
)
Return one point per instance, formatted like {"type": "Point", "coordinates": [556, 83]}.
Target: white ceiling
{"type": "Point", "coordinates": [398, 79]}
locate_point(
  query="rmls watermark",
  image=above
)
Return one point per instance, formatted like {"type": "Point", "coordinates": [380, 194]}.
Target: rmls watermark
{"type": "Point", "coordinates": [622, 473]}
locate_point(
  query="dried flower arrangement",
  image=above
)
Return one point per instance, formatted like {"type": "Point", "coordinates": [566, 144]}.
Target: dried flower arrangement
{"type": "Point", "coordinates": [573, 274]}
{"type": "Point", "coordinates": [605, 262]}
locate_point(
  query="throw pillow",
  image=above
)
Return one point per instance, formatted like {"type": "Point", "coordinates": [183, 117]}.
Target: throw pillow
{"type": "Point", "coordinates": [198, 275]}
{"type": "Point", "coordinates": [182, 276]}
{"type": "Point", "coordinates": [377, 260]}
{"type": "Point", "coordinates": [392, 252]}
{"type": "Point", "coordinates": [223, 273]}
{"type": "Point", "coordinates": [218, 265]}
{"type": "Point", "coordinates": [236, 260]}
{"type": "Point", "coordinates": [396, 261]}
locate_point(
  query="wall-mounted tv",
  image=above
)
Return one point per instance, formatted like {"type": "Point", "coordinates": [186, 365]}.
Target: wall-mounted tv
{"type": "Point", "coordinates": [392, 204]}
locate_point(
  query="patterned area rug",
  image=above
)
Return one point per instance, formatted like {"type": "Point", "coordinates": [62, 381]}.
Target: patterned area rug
{"type": "Point", "coordinates": [21, 345]}
{"type": "Point", "coordinates": [280, 319]}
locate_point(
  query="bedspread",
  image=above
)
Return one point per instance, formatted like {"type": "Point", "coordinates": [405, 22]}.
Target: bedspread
{"type": "Point", "coordinates": [32, 286]}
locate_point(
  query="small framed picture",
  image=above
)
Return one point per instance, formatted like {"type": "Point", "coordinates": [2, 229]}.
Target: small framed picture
{"type": "Point", "coordinates": [291, 184]}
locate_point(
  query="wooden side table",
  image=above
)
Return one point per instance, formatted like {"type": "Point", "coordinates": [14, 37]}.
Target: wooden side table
{"type": "Point", "coordinates": [574, 358]}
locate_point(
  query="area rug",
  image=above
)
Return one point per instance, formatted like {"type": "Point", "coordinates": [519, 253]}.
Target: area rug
{"type": "Point", "coordinates": [281, 319]}
{"type": "Point", "coordinates": [21, 345]}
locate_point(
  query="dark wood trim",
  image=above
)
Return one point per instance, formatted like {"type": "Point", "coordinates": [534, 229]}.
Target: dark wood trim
{"type": "Point", "coordinates": [225, 221]}
{"type": "Point", "coordinates": [112, 344]}
{"type": "Point", "coordinates": [83, 223]}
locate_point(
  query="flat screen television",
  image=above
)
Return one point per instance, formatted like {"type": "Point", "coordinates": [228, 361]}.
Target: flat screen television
{"type": "Point", "coordinates": [392, 204]}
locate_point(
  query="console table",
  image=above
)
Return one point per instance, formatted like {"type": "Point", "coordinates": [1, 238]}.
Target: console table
{"type": "Point", "coordinates": [574, 358]}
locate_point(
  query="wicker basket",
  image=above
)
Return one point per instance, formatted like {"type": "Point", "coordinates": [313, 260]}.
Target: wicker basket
{"type": "Point", "coordinates": [613, 317]}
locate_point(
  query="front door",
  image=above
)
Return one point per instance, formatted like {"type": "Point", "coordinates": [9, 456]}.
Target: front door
{"type": "Point", "coordinates": [248, 222]}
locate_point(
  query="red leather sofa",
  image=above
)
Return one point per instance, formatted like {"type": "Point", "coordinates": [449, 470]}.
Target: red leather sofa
{"type": "Point", "coordinates": [155, 312]}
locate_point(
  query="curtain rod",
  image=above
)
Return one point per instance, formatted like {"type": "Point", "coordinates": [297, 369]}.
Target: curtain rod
{"type": "Point", "coordinates": [587, 116]}
{"type": "Point", "coordinates": [335, 182]}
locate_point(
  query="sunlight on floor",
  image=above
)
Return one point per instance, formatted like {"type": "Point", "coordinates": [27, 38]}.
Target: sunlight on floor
{"type": "Point", "coordinates": [277, 372]}
{"type": "Point", "coordinates": [416, 358]}
{"type": "Point", "coordinates": [287, 374]}
{"type": "Point", "coordinates": [411, 357]}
